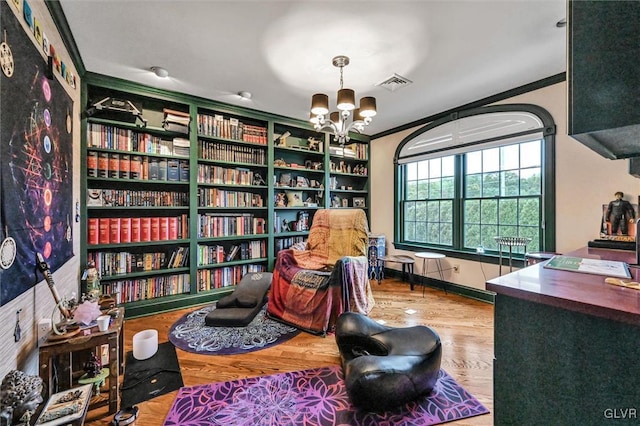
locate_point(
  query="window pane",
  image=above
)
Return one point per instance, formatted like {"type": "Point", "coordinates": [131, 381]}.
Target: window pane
{"type": "Point", "coordinates": [448, 166]}
{"type": "Point", "coordinates": [421, 232]}
{"type": "Point", "coordinates": [410, 231]}
{"type": "Point", "coordinates": [434, 211]}
{"type": "Point", "coordinates": [423, 190]}
{"type": "Point", "coordinates": [489, 212]}
{"type": "Point", "coordinates": [474, 162]}
{"type": "Point", "coordinates": [435, 168]}
{"type": "Point", "coordinates": [446, 234]}
{"type": "Point", "coordinates": [473, 186]}
{"type": "Point", "coordinates": [412, 171]}
{"type": "Point", "coordinates": [509, 157]}
{"type": "Point", "coordinates": [472, 211]}
{"type": "Point", "coordinates": [510, 183]}
{"type": "Point", "coordinates": [423, 169]}
{"type": "Point", "coordinates": [434, 188]}
{"type": "Point", "coordinates": [421, 211]}
{"type": "Point", "coordinates": [448, 187]}
{"type": "Point", "coordinates": [529, 214]}
{"type": "Point", "coordinates": [530, 154]}
{"type": "Point", "coordinates": [491, 185]}
{"type": "Point", "coordinates": [487, 234]}
{"type": "Point", "coordinates": [412, 190]}
{"type": "Point", "coordinates": [410, 211]}
{"type": "Point", "coordinates": [446, 211]}
{"type": "Point", "coordinates": [530, 181]}
{"type": "Point", "coordinates": [471, 236]}
{"type": "Point", "coordinates": [508, 212]}
{"type": "Point", "coordinates": [491, 160]}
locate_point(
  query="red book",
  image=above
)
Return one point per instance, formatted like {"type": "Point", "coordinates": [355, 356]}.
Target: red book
{"type": "Point", "coordinates": [173, 228]}
{"type": "Point", "coordinates": [104, 226]}
{"type": "Point", "coordinates": [155, 229]}
{"type": "Point", "coordinates": [164, 228]}
{"type": "Point", "coordinates": [145, 229]}
{"type": "Point", "coordinates": [114, 230]}
{"type": "Point", "coordinates": [92, 231]}
{"type": "Point", "coordinates": [135, 229]}
{"type": "Point", "coordinates": [125, 230]}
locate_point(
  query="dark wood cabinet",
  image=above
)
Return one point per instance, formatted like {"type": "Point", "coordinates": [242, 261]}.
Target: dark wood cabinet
{"type": "Point", "coordinates": [604, 76]}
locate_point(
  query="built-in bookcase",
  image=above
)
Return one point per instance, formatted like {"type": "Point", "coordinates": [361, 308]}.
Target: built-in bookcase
{"type": "Point", "coordinates": [183, 196]}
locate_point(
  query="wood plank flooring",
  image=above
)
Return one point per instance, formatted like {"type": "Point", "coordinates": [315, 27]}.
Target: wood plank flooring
{"type": "Point", "coordinates": [465, 327]}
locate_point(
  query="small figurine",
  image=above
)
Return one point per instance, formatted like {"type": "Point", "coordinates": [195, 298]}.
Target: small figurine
{"type": "Point", "coordinates": [258, 180]}
{"type": "Point", "coordinates": [92, 277]}
{"type": "Point", "coordinates": [280, 199]}
{"type": "Point", "coordinates": [619, 213]}
{"type": "Point", "coordinates": [93, 367]}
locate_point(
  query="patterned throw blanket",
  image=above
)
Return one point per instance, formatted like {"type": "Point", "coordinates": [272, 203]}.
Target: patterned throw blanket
{"type": "Point", "coordinates": [312, 287]}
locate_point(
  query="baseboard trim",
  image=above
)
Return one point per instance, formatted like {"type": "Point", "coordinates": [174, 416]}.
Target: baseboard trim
{"type": "Point", "coordinates": [459, 289]}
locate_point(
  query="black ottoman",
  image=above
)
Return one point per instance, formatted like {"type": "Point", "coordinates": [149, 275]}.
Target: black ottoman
{"type": "Point", "coordinates": [240, 307]}
{"type": "Point", "coordinates": [385, 367]}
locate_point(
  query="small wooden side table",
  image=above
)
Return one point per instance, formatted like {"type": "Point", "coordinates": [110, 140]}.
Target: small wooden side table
{"type": "Point", "coordinates": [407, 263]}
{"type": "Point", "coordinates": [61, 352]}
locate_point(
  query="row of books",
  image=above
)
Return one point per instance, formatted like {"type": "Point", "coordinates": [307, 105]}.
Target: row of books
{"type": "Point", "coordinates": [353, 150]}
{"type": "Point", "coordinates": [116, 138]}
{"type": "Point", "coordinates": [124, 166]}
{"type": "Point", "coordinates": [211, 255]}
{"type": "Point", "coordinates": [220, 151]}
{"type": "Point", "coordinates": [224, 175]}
{"type": "Point", "coordinates": [111, 263]}
{"type": "Point", "coordinates": [117, 230]}
{"type": "Point", "coordinates": [219, 126]}
{"type": "Point", "coordinates": [136, 198]}
{"type": "Point", "coordinates": [132, 290]}
{"type": "Point", "coordinates": [285, 243]}
{"type": "Point", "coordinates": [215, 197]}
{"type": "Point", "coordinates": [212, 225]}
{"type": "Point", "coordinates": [209, 279]}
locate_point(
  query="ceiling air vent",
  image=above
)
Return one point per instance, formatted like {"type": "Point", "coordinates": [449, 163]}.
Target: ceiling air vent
{"type": "Point", "coordinates": [394, 82]}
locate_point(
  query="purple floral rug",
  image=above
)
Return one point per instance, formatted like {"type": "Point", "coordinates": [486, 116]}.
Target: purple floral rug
{"type": "Point", "coordinates": [190, 334]}
{"type": "Point", "coordinates": [310, 397]}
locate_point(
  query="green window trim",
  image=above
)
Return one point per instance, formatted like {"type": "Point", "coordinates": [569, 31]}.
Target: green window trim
{"type": "Point", "coordinates": [503, 127]}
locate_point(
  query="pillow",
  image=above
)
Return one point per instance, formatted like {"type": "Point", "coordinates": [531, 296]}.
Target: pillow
{"type": "Point", "coordinates": [294, 199]}
{"type": "Point", "coordinates": [228, 301]}
{"type": "Point", "coordinates": [246, 301]}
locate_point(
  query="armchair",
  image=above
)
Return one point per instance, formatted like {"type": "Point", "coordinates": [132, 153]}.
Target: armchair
{"type": "Point", "coordinates": [312, 287]}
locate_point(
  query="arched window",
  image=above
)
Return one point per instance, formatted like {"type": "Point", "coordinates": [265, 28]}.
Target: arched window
{"type": "Point", "coordinates": [465, 179]}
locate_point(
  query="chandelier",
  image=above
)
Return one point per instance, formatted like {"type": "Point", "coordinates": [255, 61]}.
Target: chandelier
{"type": "Point", "coordinates": [348, 118]}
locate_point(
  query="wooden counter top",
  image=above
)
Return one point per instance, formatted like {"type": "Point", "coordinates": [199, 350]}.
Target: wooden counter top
{"type": "Point", "coordinates": [585, 293]}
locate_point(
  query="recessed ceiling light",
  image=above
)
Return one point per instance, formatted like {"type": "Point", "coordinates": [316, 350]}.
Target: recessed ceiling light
{"type": "Point", "coordinates": [160, 72]}
{"type": "Point", "coordinates": [245, 95]}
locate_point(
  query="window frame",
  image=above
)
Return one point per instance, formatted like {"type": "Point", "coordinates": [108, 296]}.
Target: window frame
{"type": "Point", "coordinates": [547, 226]}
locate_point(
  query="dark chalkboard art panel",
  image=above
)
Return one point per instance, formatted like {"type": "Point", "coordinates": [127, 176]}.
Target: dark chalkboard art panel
{"type": "Point", "coordinates": [36, 153]}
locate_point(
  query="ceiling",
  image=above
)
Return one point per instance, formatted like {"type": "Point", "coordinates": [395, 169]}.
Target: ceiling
{"type": "Point", "coordinates": [453, 51]}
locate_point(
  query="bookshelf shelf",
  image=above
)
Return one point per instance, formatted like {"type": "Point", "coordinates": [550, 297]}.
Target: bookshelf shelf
{"type": "Point", "coordinates": [227, 170]}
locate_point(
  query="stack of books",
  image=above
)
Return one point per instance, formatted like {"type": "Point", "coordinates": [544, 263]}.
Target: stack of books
{"type": "Point", "coordinates": [176, 121]}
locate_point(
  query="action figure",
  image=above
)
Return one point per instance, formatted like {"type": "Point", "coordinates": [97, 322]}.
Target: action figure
{"type": "Point", "coordinates": [619, 213]}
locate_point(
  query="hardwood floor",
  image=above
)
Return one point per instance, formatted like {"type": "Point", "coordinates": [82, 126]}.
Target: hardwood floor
{"type": "Point", "coordinates": [465, 327]}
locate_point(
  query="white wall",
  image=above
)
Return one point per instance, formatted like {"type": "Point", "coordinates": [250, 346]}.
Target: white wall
{"type": "Point", "coordinates": [38, 303]}
{"type": "Point", "coordinates": [584, 181]}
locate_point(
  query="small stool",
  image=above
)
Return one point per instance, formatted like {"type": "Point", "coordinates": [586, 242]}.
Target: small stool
{"type": "Point", "coordinates": [510, 242]}
{"type": "Point", "coordinates": [407, 266]}
{"type": "Point", "coordinates": [426, 257]}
